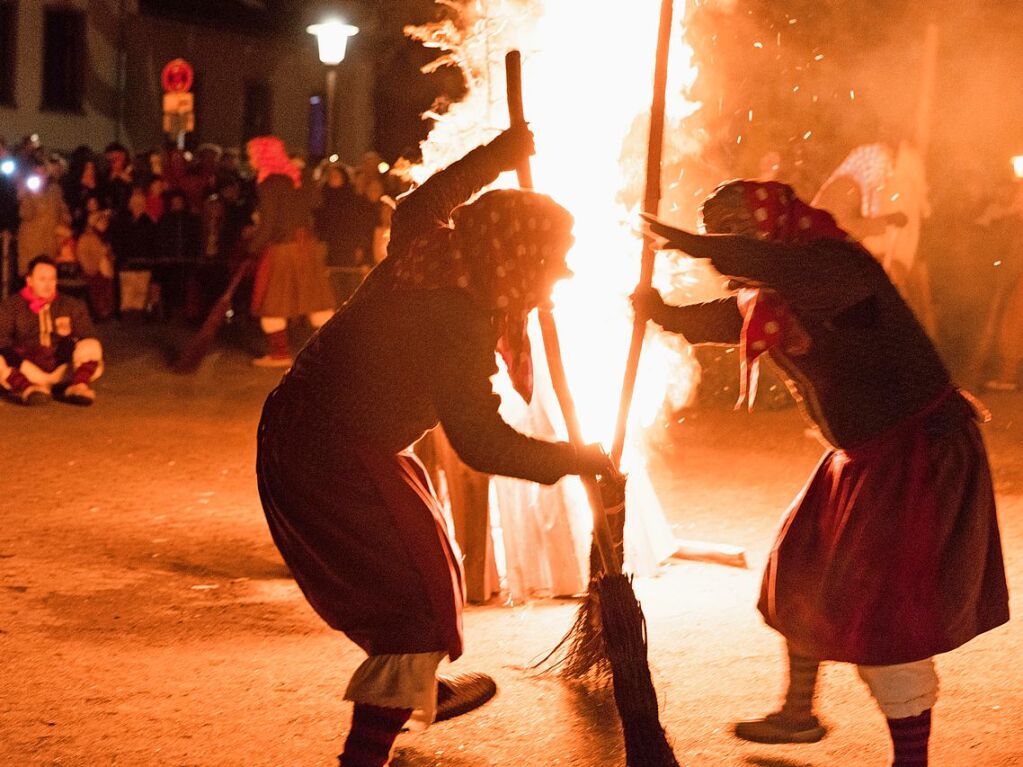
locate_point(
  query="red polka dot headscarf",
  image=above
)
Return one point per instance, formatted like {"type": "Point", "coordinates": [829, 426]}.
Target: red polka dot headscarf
{"type": "Point", "coordinates": [505, 250]}
{"type": "Point", "coordinates": [766, 210]}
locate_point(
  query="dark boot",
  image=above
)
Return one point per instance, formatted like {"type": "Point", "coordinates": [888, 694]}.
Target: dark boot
{"type": "Point", "coordinates": [795, 722]}
{"type": "Point", "coordinates": [24, 392]}
{"type": "Point", "coordinates": [460, 694]}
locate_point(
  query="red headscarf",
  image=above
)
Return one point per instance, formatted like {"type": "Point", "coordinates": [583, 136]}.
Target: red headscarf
{"type": "Point", "coordinates": [270, 157]}
{"type": "Point", "coordinates": [778, 215]}
{"type": "Point", "coordinates": [503, 250]}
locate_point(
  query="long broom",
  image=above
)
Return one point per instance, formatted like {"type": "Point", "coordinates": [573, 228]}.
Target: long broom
{"type": "Point", "coordinates": [623, 636]}
{"type": "Point", "coordinates": [581, 654]}
{"type": "Point", "coordinates": [201, 343]}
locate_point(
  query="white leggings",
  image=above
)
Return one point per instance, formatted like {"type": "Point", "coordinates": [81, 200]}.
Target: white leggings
{"type": "Point", "coordinates": [277, 324]}
{"type": "Point", "coordinates": [902, 690]}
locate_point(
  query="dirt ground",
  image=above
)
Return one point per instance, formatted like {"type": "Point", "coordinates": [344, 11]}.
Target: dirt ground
{"type": "Point", "coordinates": [147, 619]}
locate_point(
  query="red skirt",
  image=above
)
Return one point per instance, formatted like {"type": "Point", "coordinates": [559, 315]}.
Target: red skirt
{"type": "Point", "coordinates": [362, 533]}
{"type": "Point", "coordinates": [892, 553]}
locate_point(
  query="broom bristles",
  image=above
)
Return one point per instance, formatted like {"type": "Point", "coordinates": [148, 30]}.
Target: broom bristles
{"type": "Point", "coordinates": [624, 626]}
{"type": "Point", "coordinates": [581, 654]}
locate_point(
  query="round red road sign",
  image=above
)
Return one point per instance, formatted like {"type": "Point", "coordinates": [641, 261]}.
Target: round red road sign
{"type": "Point", "coordinates": [177, 76]}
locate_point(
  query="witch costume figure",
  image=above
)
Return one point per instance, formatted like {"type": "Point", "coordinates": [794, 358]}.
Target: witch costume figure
{"type": "Point", "coordinates": [891, 554]}
{"type": "Point", "coordinates": [349, 506]}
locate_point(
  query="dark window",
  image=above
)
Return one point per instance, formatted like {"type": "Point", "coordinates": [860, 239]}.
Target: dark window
{"type": "Point", "coordinates": [63, 59]}
{"type": "Point", "coordinates": [8, 51]}
{"type": "Point", "coordinates": [256, 117]}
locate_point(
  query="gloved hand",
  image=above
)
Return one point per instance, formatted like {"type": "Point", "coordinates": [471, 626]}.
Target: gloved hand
{"type": "Point", "coordinates": [591, 459]}
{"type": "Point", "coordinates": [648, 305]}
{"type": "Point", "coordinates": [513, 146]}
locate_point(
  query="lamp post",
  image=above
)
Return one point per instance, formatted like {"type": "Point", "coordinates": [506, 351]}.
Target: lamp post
{"type": "Point", "coordinates": [332, 40]}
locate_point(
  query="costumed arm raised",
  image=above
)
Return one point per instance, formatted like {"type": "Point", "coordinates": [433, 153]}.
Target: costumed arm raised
{"type": "Point", "coordinates": [429, 205]}
{"type": "Point", "coordinates": [825, 276]}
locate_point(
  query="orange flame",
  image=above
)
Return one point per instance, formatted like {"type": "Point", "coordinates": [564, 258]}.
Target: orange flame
{"type": "Point", "coordinates": [587, 92]}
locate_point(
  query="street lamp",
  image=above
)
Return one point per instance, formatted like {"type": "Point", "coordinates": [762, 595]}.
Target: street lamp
{"type": "Point", "coordinates": [332, 40]}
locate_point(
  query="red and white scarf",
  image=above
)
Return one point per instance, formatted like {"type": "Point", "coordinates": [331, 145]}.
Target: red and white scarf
{"type": "Point", "coordinates": [768, 322]}
{"type": "Point", "coordinates": [41, 307]}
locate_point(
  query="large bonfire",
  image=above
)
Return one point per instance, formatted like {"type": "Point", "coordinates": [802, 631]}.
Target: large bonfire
{"type": "Point", "coordinates": [587, 78]}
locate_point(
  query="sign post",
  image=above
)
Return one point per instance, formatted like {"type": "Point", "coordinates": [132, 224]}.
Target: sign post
{"type": "Point", "coordinates": [178, 102]}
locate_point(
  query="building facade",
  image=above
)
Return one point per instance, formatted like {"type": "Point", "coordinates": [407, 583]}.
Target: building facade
{"type": "Point", "coordinates": [88, 72]}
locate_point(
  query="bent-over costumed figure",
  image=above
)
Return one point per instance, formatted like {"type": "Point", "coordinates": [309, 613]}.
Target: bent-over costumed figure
{"type": "Point", "coordinates": [891, 554]}
{"type": "Point", "coordinates": [350, 508]}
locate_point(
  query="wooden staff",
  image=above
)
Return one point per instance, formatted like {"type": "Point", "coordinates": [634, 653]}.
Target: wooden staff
{"type": "Point", "coordinates": [552, 344]}
{"type": "Point", "coordinates": [651, 202]}
{"type": "Point", "coordinates": [621, 637]}
{"type": "Point", "coordinates": [201, 343]}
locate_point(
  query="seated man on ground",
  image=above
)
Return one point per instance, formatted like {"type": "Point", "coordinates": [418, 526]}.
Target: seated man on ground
{"type": "Point", "coordinates": [47, 342]}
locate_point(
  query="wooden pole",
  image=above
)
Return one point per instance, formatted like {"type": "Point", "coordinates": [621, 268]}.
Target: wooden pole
{"type": "Point", "coordinates": [552, 345]}
{"type": "Point", "coordinates": [651, 202]}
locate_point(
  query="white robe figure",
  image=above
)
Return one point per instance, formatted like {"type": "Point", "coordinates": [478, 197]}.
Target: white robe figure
{"type": "Point", "coordinates": [546, 531]}
{"type": "Point", "coordinates": [863, 194]}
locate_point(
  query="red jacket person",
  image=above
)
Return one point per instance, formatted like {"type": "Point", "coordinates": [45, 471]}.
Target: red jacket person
{"type": "Point", "coordinates": [47, 342]}
{"type": "Point", "coordinates": [891, 554]}
{"type": "Point", "coordinates": [349, 506]}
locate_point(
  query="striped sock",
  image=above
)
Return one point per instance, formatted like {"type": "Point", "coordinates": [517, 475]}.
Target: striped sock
{"type": "Point", "coordinates": [371, 738]}
{"type": "Point", "coordinates": [909, 739]}
{"type": "Point", "coordinates": [802, 683]}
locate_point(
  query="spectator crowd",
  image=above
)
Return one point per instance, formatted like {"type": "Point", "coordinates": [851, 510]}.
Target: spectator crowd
{"type": "Point", "coordinates": [159, 234]}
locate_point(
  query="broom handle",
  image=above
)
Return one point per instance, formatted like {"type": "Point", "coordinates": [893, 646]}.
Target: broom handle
{"type": "Point", "coordinates": [651, 201]}
{"type": "Point", "coordinates": [513, 73]}
{"type": "Point", "coordinates": [552, 345]}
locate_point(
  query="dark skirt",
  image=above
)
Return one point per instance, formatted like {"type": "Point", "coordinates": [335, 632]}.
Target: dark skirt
{"type": "Point", "coordinates": [892, 554]}
{"type": "Point", "coordinates": [291, 280]}
{"type": "Point", "coordinates": [362, 533]}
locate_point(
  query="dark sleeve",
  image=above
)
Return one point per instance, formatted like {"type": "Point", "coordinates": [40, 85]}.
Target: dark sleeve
{"type": "Point", "coordinates": [713, 322]}
{"type": "Point", "coordinates": [81, 322]}
{"type": "Point", "coordinates": [823, 277]}
{"type": "Point", "coordinates": [7, 323]}
{"type": "Point", "coordinates": [430, 205]}
{"type": "Point", "coordinates": [266, 207]}
{"type": "Point", "coordinates": [468, 407]}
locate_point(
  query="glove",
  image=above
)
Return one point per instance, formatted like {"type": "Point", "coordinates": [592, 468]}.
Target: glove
{"type": "Point", "coordinates": [648, 305]}
{"type": "Point", "coordinates": [591, 459]}
{"type": "Point", "coordinates": [513, 146]}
